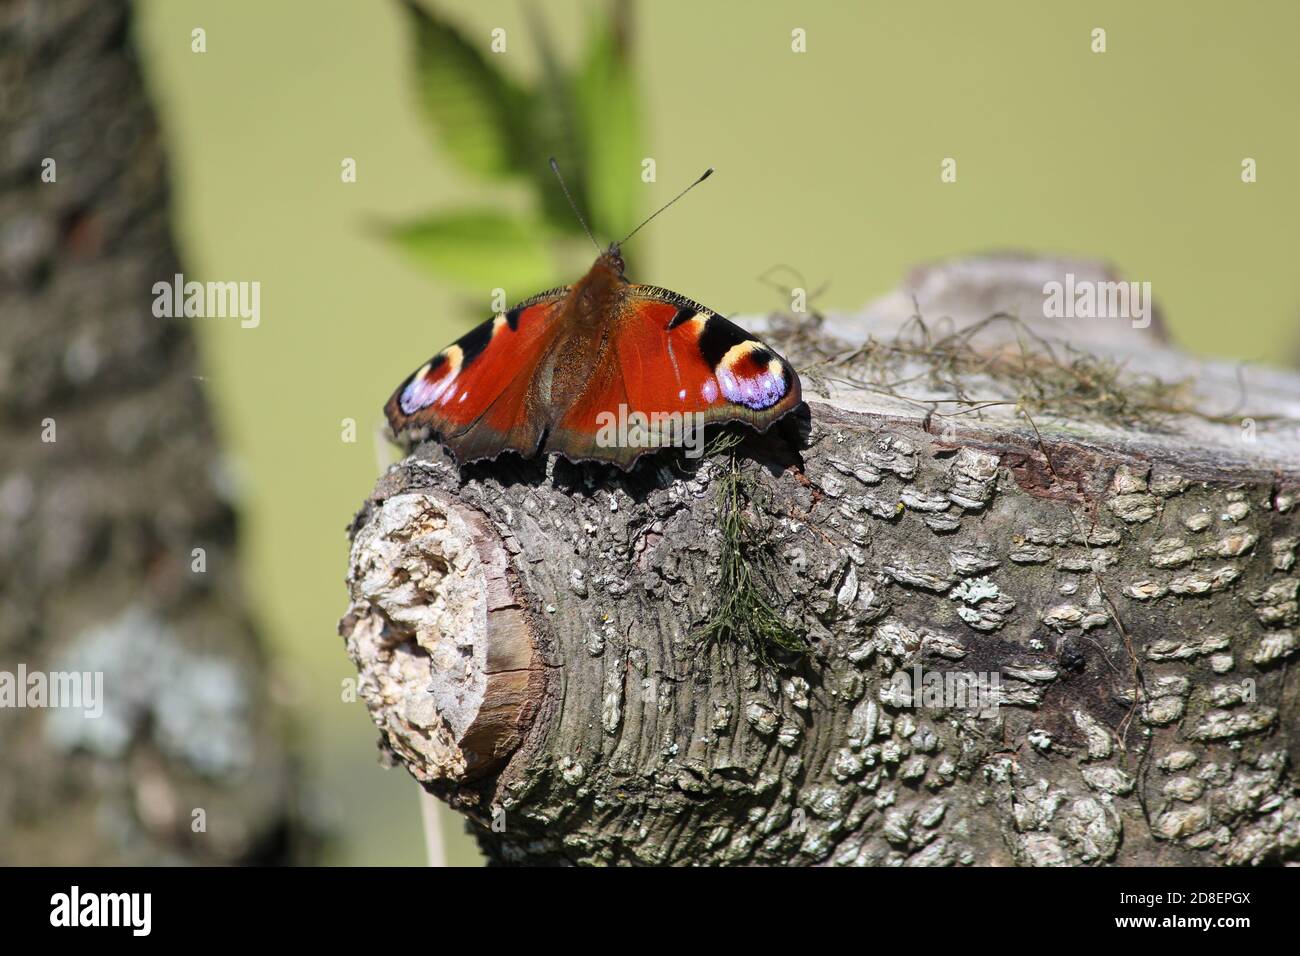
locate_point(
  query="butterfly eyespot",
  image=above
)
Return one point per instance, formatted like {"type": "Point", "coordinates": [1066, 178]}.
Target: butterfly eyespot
{"type": "Point", "coordinates": [415, 395]}
{"type": "Point", "coordinates": [710, 391]}
{"type": "Point", "coordinates": [751, 375]}
{"type": "Point", "coordinates": [426, 386]}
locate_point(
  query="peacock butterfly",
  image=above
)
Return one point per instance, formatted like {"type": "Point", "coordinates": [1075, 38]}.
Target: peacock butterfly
{"type": "Point", "coordinates": [552, 374]}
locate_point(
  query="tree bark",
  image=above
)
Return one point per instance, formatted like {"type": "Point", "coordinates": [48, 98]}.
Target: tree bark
{"type": "Point", "coordinates": [1114, 557]}
{"type": "Point", "coordinates": [110, 479]}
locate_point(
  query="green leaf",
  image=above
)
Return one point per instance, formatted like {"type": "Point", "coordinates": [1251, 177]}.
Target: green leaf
{"type": "Point", "coordinates": [555, 123]}
{"type": "Point", "coordinates": [479, 116]}
{"type": "Point", "coordinates": [479, 250]}
{"type": "Point", "coordinates": [559, 139]}
{"type": "Point", "coordinates": [609, 119]}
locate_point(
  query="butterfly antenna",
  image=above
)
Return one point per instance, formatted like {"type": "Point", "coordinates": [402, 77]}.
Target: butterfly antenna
{"type": "Point", "coordinates": [555, 168]}
{"type": "Point", "coordinates": [706, 174]}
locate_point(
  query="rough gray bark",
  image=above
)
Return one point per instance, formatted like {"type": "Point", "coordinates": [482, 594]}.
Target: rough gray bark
{"type": "Point", "coordinates": [1132, 584]}
{"type": "Point", "coordinates": [97, 527]}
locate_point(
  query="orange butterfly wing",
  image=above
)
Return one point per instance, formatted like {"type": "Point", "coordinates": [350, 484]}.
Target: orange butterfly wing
{"type": "Point", "coordinates": [473, 395]}
{"type": "Point", "coordinates": [670, 357]}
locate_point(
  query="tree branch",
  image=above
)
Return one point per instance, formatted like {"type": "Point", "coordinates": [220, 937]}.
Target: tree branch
{"type": "Point", "coordinates": [1101, 549]}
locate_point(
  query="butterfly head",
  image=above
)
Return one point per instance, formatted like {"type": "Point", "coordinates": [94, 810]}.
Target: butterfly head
{"type": "Point", "coordinates": [612, 259]}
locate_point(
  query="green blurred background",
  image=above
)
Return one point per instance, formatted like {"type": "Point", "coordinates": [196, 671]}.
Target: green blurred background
{"type": "Point", "coordinates": [827, 161]}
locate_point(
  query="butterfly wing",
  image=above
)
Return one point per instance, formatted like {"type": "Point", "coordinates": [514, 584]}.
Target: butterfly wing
{"type": "Point", "coordinates": [669, 355]}
{"type": "Point", "coordinates": [475, 395]}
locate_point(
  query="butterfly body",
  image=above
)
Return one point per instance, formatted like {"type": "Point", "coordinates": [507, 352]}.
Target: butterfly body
{"type": "Point", "coordinates": [546, 376]}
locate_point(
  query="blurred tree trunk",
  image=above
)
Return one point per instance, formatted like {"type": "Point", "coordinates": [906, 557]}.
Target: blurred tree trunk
{"type": "Point", "coordinates": [117, 539]}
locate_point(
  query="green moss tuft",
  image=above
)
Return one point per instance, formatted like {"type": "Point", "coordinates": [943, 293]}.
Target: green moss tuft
{"type": "Point", "coordinates": [743, 613]}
